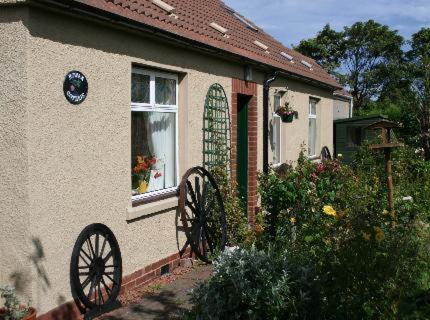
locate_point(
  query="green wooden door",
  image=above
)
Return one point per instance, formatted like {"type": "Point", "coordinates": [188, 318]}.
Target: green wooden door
{"type": "Point", "coordinates": [242, 151]}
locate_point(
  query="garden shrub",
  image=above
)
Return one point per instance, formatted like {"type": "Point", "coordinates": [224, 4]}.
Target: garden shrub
{"type": "Point", "coordinates": [237, 227]}
{"type": "Point", "coordinates": [246, 284]}
{"type": "Point", "coordinates": [333, 220]}
{"type": "Point", "coordinates": [328, 248]}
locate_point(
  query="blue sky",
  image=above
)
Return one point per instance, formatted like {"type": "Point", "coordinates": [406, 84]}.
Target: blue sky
{"type": "Point", "coordinates": [289, 21]}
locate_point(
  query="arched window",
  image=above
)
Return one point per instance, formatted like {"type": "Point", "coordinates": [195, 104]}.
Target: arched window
{"type": "Point", "coordinates": [216, 129]}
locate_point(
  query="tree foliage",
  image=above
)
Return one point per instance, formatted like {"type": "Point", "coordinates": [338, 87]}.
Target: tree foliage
{"type": "Point", "coordinates": [371, 60]}
{"type": "Point", "coordinates": [362, 57]}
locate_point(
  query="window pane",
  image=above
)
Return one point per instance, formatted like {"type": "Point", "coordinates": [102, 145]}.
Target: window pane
{"type": "Point", "coordinates": [153, 140]}
{"type": "Point", "coordinates": [139, 88]}
{"type": "Point", "coordinates": [165, 91]}
{"type": "Point", "coordinates": [312, 136]}
{"type": "Point", "coordinates": [276, 103]}
{"type": "Point", "coordinates": [276, 140]}
{"type": "Point", "coordinates": [313, 108]}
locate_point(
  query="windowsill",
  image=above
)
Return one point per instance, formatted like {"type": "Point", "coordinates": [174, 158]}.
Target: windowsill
{"type": "Point", "coordinates": [311, 158]}
{"type": "Point", "coordinates": [151, 205]}
{"type": "Point", "coordinates": [153, 196]}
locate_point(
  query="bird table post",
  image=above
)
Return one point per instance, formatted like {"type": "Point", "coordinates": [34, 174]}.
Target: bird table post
{"type": "Point", "coordinates": [385, 128]}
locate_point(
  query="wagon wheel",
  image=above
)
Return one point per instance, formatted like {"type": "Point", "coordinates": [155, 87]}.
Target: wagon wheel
{"type": "Point", "coordinates": [325, 153]}
{"type": "Point", "coordinates": [202, 213]}
{"type": "Point", "coordinates": [96, 267]}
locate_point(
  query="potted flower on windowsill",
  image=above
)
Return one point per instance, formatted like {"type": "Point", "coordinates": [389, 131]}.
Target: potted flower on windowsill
{"type": "Point", "coordinates": [13, 309]}
{"type": "Point", "coordinates": [286, 113]}
{"type": "Point", "coordinates": [142, 172]}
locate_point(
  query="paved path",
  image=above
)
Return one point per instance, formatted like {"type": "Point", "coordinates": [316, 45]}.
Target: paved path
{"type": "Point", "coordinates": [168, 302]}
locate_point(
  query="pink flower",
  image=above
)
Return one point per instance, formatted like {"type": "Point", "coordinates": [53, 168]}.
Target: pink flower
{"type": "Point", "coordinates": [320, 167]}
{"type": "Point", "coordinates": [314, 176]}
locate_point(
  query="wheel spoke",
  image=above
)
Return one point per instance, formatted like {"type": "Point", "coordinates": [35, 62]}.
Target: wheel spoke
{"type": "Point", "coordinates": [202, 237]}
{"type": "Point", "coordinates": [90, 246]}
{"type": "Point", "coordinates": [93, 283]}
{"type": "Point", "coordinates": [87, 255]}
{"type": "Point", "coordinates": [192, 194]}
{"type": "Point", "coordinates": [103, 245]}
{"type": "Point", "coordinates": [193, 209]}
{"type": "Point", "coordinates": [100, 295]}
{"type": "Point", "coordinates": [108, 256]}
{"type": "Point", "coordinates": [198, 192]}
{"type": "Point", "coordinates": [84, 273]}
{"type": "Point", "coordinates": [110, 278]}
{"type": "Point", "coordinates": [205, 193]}
{"type": "Point", "coordinates": [84, 267]}
{"type": "Point", "coordinates": [86, 282]}
{"type": "Point", "coordinates": [97, 245]}
{"type": "Point", "coordinates": [209, 240]}
{"type": "Point", "coordinates": [107, 289]}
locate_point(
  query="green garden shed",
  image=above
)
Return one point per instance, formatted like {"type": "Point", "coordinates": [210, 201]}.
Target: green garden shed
{"type": "Point", "coordinates": [350, 133]}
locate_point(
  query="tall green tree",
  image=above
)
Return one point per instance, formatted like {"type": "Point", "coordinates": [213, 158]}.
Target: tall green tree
{"type": "Point", "coordinates": [419, 63]}
{"type": "Point", "coordinates": [361, 56]}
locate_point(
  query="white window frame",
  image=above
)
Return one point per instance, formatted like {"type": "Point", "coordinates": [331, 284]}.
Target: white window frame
{"type": "Point", "coordinates": [313, 116]}
{"type": "Point", "coordinates": [275, 116]}
{"type": "Point", "coordinates": [152, 106]}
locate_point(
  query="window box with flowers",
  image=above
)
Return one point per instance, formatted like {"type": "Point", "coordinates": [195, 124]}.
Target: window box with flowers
{"type": "Point", "coordinates": [154, 144]}
{"type": "Point", "coordinates": [287, 113]}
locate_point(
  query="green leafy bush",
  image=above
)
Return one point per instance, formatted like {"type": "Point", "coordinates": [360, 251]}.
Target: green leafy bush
{"type": "Point", "coordinates": [348, 257]}
{"type": "Point", "coordinates": [13, 310]}
{"type": "Point", "coordinates": [365, 262]}
{"type": "Point", "coordinates": [237, 226]}
{"type": "Point", "coordinates": [246, 284]}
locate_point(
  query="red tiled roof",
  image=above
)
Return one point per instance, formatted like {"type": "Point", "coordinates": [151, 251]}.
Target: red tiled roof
{"type": "Point", "coordinates": [193, 20]}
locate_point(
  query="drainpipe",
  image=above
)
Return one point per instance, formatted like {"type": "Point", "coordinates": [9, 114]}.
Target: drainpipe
{"type": "Point", "coordinates": [351, 106]}
{"type": "Point", "coordinates": [266, 88]}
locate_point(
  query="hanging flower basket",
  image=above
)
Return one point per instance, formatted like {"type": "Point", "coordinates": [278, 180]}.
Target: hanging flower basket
{"type": "Point", "coordinates": [287, 114]}
{"type": "Point", "coordinates": [287, 117]}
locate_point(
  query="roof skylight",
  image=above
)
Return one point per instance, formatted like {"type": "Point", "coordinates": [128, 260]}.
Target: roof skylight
{"type": "Point", "coordinates": [261, 45]}
{"type": "Point", "coordinates": [307, 64]}
{"type": "Point", "coordinates": [288, 56]}
{"type": "Point", "coordinates": [166, 7]}
{"type": "Point", "coordinates": [246, 22]}
{"type": "Point", "coordinates": [219, 28]}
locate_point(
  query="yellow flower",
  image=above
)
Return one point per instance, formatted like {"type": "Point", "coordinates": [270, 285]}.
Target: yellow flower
{"type": "Point", "coordinates": [366, 236]}
{"type": "Point", "coordinates": [379, 234]}
{"type": "Point", "coordinates": [385, 212]}
{"type": "Point", "coordinates": [293, 220]}
{"type": "Point", "coordinates": [328, 210]}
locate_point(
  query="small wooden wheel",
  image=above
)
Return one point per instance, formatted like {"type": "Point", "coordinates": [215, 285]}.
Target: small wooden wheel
{"type": "Point", "coordinates": [202, 213]}
{"type": "Point", "coordinates": [96, 267]}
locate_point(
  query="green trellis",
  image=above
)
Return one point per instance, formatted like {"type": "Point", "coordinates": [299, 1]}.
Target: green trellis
{"type": "Point", "coordinates": [216, 129]}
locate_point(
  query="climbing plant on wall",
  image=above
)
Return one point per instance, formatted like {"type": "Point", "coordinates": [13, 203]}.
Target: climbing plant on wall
{"type": "Point", "coordinates": [216, 129]}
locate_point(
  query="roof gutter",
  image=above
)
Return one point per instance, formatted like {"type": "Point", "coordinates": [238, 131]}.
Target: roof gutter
{"type": "Point", "coordinates": [80, 8]}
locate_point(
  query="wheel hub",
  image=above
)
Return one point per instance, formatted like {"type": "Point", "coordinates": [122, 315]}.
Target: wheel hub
{"type": "Point", "coordinates": [99, 266]}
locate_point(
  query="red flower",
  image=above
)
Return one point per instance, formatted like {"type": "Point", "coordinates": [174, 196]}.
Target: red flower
{"type": "Point", "coordinates": [157, 175]}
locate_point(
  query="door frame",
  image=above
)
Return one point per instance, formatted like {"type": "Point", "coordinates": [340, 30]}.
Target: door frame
{"type": "Point", "coordinates": [241, 87]}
